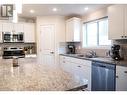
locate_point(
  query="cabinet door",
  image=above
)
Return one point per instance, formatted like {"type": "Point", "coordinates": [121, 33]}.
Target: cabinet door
{"type": "Point", "coordinates": [77, 30]}
{"type": "Point", "coordinates": [125, 16]}
{"type": "Point", "coordinates": [69, 29]}
{"type": "Point", "coordinates": [1, 32]}
{"type": "Point", "coordinates": [67, 67]}
{"type": "Point", "coordinates": [121, 79]}
{"type": "Point", "coordinates": [116, 21]}
{"type": "Point", "coordinates": [18, 27]}
{"type": "Point", "coordinates": [73, 28]}
{"type": "Point", "coordinates": [7, 27]}
{"type": "Point", "coordinates": [29, 32]}
{"type": "Point", "coordinates": [82, 74]}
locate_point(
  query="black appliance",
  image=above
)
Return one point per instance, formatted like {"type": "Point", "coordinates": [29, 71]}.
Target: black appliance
{"type": "Point", "coordinates": [103, 76]}
{"type": "Point", "coordinates": [11, 52]}
{"type": "Point", "coordinates": [71, 49]}
{"type": "Point", "coordinates": [13, 37]}
{"type": "Point", "coordinates": [115, 52]}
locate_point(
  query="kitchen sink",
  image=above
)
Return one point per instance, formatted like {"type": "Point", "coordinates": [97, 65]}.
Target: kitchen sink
{"type": "Point", "coordinates": [86, 56]}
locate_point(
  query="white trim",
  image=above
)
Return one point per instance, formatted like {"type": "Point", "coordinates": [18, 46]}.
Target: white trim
{"type": "Point", "coordinates": [97, 47]}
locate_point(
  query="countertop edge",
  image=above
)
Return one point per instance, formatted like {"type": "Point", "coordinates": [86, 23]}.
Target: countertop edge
{"type": "Point", "coordinates": [117, 63]}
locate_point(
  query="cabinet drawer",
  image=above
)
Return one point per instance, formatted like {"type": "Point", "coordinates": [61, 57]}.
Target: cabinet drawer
{"type": "Point", "coordinates": [121, 71]}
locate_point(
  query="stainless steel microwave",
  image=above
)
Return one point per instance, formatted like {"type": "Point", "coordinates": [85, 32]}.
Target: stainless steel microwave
{"type": "Point", "coordinates": [13, 37]}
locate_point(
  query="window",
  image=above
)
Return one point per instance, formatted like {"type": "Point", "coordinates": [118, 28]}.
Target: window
{"type": "Point", "coordinates": [96, 33]}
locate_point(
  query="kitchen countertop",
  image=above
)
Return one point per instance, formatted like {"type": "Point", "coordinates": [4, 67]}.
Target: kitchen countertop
{"type": "Point", "coordinates": [32, 75]}
{"type": "Point", "coordinates": [100, 59]}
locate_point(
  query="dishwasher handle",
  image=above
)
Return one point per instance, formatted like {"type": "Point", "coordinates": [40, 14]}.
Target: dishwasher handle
{"type": "Point", "coordinates": [102, 66]}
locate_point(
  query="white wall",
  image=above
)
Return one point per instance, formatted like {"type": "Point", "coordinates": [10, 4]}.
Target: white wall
{"type": "Point", "coordinates": [59, 22]}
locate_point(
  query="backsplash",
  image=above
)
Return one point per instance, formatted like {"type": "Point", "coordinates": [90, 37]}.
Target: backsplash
{"type": "Point", "coordinates": [123, 45]}
{"type": "Point", "coordinates": [99, 51]}
{"type": "Point", "coordinates": [102, 51]}
{"type": "Point", "coordinates": [21, 45]}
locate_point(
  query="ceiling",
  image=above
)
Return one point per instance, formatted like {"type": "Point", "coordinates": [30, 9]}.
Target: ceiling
{"type": "Point", "coordinates": [63, 9]}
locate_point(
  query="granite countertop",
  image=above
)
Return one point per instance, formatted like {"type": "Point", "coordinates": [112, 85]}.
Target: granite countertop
{"type": "Point", "coordinates": [100, 59]}
{"type": "Point", "coordinates": [33, 75]}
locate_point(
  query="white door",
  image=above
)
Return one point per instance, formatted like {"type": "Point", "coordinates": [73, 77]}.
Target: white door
{"type": "Point", "coordinates": [47, 44]}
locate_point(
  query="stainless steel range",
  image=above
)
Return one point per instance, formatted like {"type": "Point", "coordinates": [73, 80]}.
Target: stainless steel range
{"type": "Point", "coordinates": [10, 52]}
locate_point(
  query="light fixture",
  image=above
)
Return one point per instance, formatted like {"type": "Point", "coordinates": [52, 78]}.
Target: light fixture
{"type": "Point", "coordinates": [32, 11]}
{"type": "Point", "coordinates": [86, 8]}
{"type": "Point", "coordinates": [54, 9]}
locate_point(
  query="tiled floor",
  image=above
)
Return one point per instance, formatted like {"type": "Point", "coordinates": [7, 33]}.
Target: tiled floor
{"type": "Point", "coordinates": [34, 76]}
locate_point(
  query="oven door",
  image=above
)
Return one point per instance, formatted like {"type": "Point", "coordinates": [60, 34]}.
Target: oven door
{"type": "Point", "coordinates": [11, 53]}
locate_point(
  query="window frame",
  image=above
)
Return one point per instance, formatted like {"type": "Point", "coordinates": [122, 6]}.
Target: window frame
{"type": "Point", "coordinates": [97, 46]}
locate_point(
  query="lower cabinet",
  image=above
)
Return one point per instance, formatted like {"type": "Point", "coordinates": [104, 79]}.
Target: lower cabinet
{"type": "Point", "coordinates": [121, 78]}
{"type": "Point", "coordinates": [80, 69]}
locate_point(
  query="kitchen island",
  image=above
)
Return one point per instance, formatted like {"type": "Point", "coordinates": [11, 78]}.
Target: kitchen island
{"type": "Point", "coordinates": [32, 75]}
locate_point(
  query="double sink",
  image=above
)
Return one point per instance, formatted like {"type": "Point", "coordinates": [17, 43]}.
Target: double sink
{"type": "Point", "coordinates": [82, 56]}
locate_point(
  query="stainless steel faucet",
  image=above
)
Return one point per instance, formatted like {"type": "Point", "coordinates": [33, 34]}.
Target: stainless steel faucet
{"type": "Point", "coordinates": [93, 53]}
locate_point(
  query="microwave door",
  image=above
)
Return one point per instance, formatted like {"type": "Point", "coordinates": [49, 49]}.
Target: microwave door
{"type": "Point", "coordinates": [20, 38]}
{"type": "Point", "coordinates": [7, 38]}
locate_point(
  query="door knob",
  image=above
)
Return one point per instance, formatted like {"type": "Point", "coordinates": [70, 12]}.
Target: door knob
{"type": "Point", "coordinates": [52, 52]}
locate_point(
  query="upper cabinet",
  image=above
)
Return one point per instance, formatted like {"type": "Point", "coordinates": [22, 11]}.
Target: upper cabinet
{"type": "Point", "coordinates": [0, 32]}
{"type": "Point", "coordinates": [27, 28]}
{"type": "Point", "coordinates": [18, 27]}
{"type": "Point", "coordinates": [29, 32]}
{"type": "Point", "coordinates": [73, 29]}
{"type": "Point", "coordinates": [10, 27]}
{"type": "Point", "coordinates": [117, 15]}
{"type": "Point", "coordinates": [7, 27]}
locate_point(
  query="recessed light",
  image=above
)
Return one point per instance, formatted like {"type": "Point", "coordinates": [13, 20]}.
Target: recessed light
{"type": "Point", "coordinates": [54, 9]}
{"type": "Point", "coordinates": [86, 8]}
{"type": "Point", "coordinates": [32, 11]}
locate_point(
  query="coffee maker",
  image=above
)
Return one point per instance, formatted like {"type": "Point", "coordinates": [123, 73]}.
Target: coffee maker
{"type": "Point", "coordinates": [115, 52]}
{"type": "Point", "coordinates": [71, 49]}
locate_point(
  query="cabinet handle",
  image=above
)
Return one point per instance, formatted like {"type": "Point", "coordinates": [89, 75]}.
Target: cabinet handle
{"type": "Point", "coordinates": [117, 77]}
{"type": "Point", "coordinates": [51, 52]}
{"type": "Point", "coordinates": [121, 36]}
{"type": "Point", "coordinates": [125, 71]}
{"type": "Point", "coordinates": [125, 36]}
{"type": "Point", "coordinates": [79, 66]}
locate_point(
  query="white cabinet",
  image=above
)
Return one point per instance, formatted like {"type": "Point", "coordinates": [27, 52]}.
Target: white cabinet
{"type": "Point", "coordinates": [0, 32]}
{"type": "Point", "coordinates": [117, 16]}
{"type": "Point", "coordinates": [29, 32]}
{"type": "Point", "coordinates": [0, 26]}
{"type": "Point", "coordinates": [11, 27]}
{"type": "Point", "coordinates": [82, 73]}
{"type": "Point", "coordinates": [78, 68]}
{"type": "Point", "coordinates": [73, 29]}
{"type": "Point", "coordinates": [27, 28]}
{"type": "Point", "coordinates": [121, 78]}
{"type": "Point", "coordinates": [7, 27]}
{"type": "Point", "coordinates": [18, 27]}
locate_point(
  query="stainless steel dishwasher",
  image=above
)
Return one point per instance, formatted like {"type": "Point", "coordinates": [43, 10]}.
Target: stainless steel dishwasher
{"type": "Point", "coordinates": [103, 76]}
